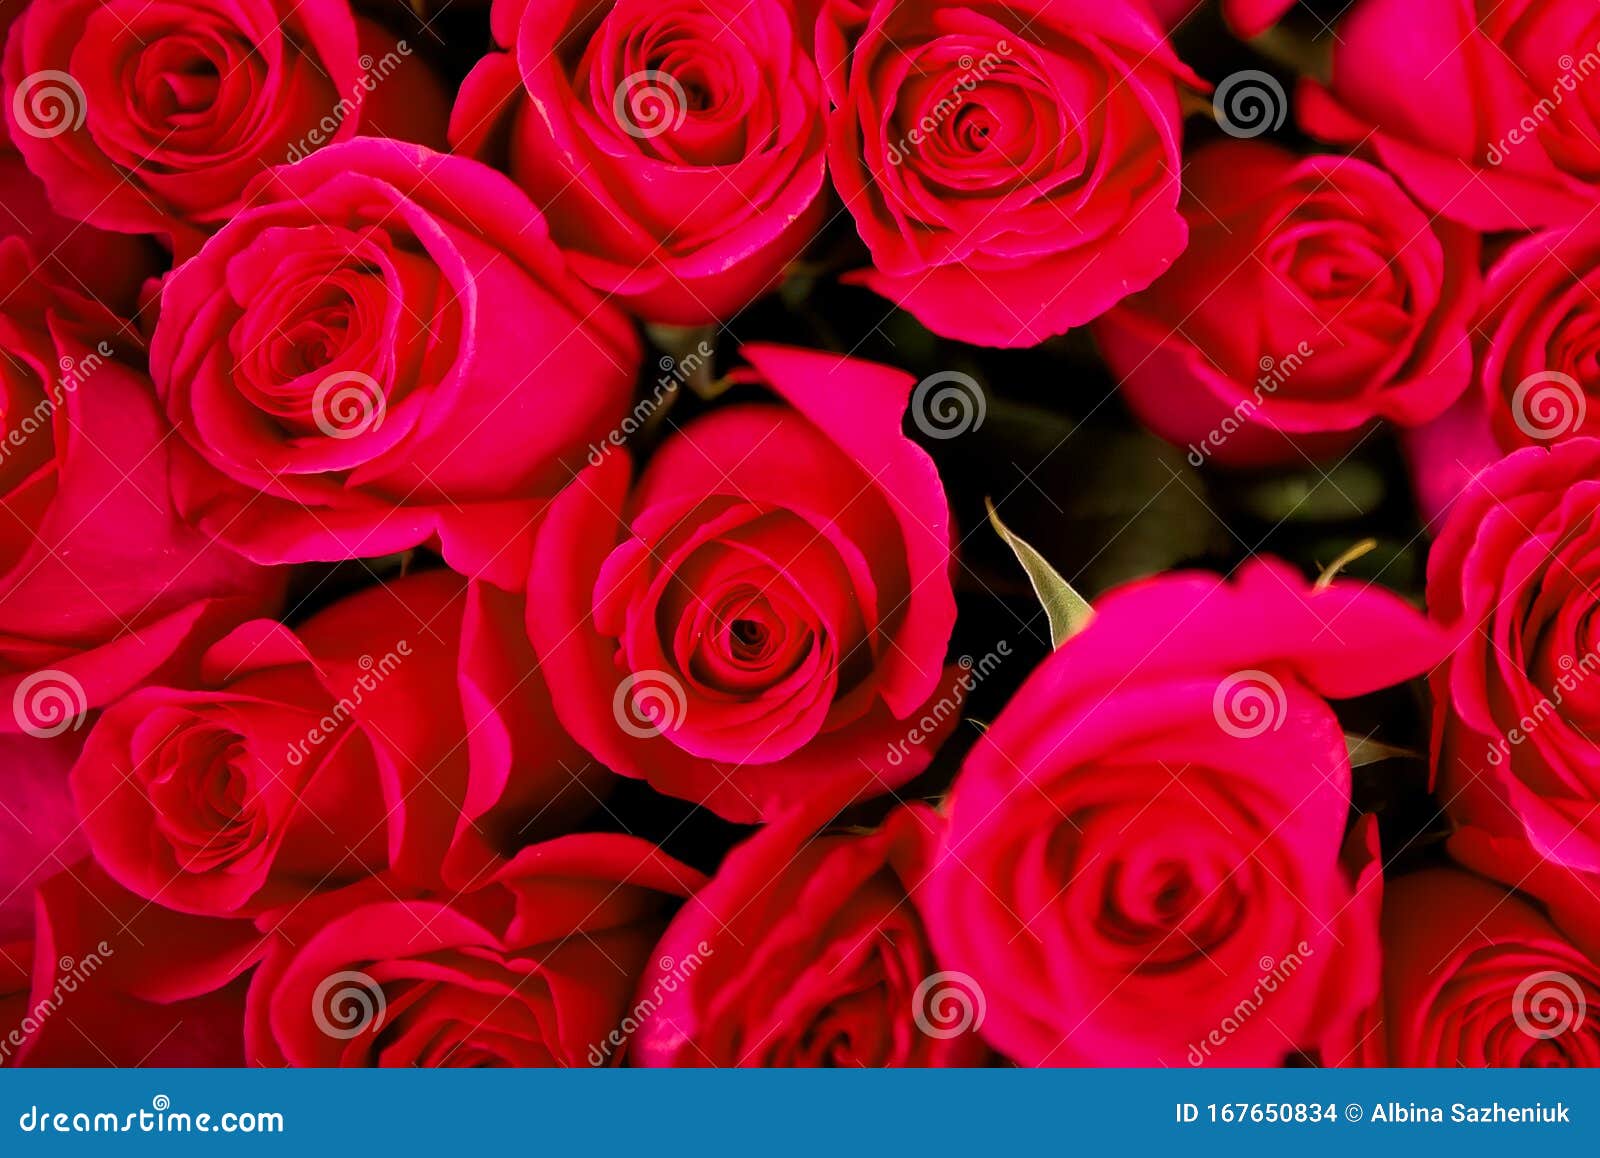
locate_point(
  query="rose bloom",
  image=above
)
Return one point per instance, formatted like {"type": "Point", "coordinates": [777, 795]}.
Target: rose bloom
{"type": "Point", "coordinates": [102, 585]}
{"type": "Point", "coordinates": [765, 614]}
{"type": "Point", "coordinates": [1314, 297]}
{"type": "Point", "coordinates": [1539, 362]}
{"type": "Point", "coordinates": [677, 148]}
{"type": "Point", "coordinates": [1474, 976]}
{"type": "Point", "coordinates": [1516, 708]}
{"type": "Point", "coordinates": [117, 981]}
{"type": "Point", "coordinates": [1247, 18]}
{"type": "Point", "coordinates": [1012, 167]}
{"type": "Point", "coordinates": [1143, 864]}
{"type": "Point", "coordinates": [808, 951]}
{"type": "Point", "coordinates": [153, 117]}
{"type": "Point", "coordinates": [529, 969]}
{"type": "Point", "coordinates": [1483, 109]}
{"type": "Point", "coordinates": [313, 757]}
{"type": "Point", "coordinates": [384, 350]}
{"type": "Point", "coordinates": [42, 832]}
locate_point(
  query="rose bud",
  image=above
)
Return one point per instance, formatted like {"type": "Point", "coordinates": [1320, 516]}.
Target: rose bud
{"type": "Point", "coordinates": [1014, 170]}
{"type": "Point", "coordinates": [764, 615]}
{"type": "Point", "coordinates": [1484, 111]}
{"type": "Point", "coordinates": [384, 350]}
{"type": "Point", "coordinates": [531, 968]}
{"type": "Point", "coordinates": [153, 118]}
{"type": "Point", "coordinates": [1144, 860]}
{"type": "Point", "coordinates": [102, 585]}
{"type": "Point", "coordinates": [808, 951]}
{"type": "Point", "coordinates": [402, 728]}
{"type": "Point", "coordinates": [1474, 976]}
{"type": "Point", "coordinates": [677, 148]}
{"type": "Point", "coordinates": [1514, 573]}
{"type": "Point", "coordinates": [1314, 297]}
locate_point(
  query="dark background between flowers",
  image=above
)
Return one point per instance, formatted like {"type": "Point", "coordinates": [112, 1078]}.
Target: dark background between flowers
{"type": "Point", "coordinates": [1059, 455]}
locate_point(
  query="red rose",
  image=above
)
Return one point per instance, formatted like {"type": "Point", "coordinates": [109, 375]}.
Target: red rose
{"type": "Point", "coordinates": [1539, 368]}
{"type": "Point", "coordinates": [530, 969]}
{"type": "Point", "coordinates": [1314, 297]}
{"type": "Point", "coordinates": [384, 350]}
{"type": "Point", "coordinates": [314, 757]}
{"type": "Point", "coordinates": [1482, 108]}
{"type": "Point", "coordinates": [1516, 708]}
{"type": "Point", "coordinates": [152, 118]}
{"type": "Point", "coordinates": [1474, 976]}
{"type": "Point", "coordinates": [117, 981]}
{"type": "Point", "coordinates": [806, 951]}
{"type": "Point", "coordinates": [762, 615]}
{"type": "Point", "coordinates": [102, 586]}
{"type": "Point", "coordinates": [110, 267]}
{"type": "Point", "coordinates": [38, 820]}
{"type": "Point", "coordinates": [1012, 166]}
{"type": "Point", "coordinates": [1143, 864]}
{"type": "Point", "coordinates": [676, 148]}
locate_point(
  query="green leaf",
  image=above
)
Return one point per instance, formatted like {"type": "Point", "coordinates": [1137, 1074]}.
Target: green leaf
{"type": "Point", "coordinates": [1068, 611]}
{"type": "Point", "coordinates": [1365, 750]}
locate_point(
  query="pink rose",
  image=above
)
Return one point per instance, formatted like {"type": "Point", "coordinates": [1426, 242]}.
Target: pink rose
{"type": "Point", "coordinates": [39, 829]}
{"type": "Point", "coordinates": [1012, 167]}
{"type": "Point", "coordinates": [384, 350]}
{"type": "Point", "coordinates": [1314, 297]}
{"type": "Point", "coordinates": [531, 968]}
{"type": "Point", "coordinates": [153, 117]}
{"type": "Point", "coordinates": [1474, 976]}
{"type": "Point", "coordinates": [1517, 706]}
{"type": "Point", "coordinates": [102, 585]}
{"type": "Point", "coordinates": [676, 148]}
{"type": "Point", "coordinates": [1144, 863]}
{"type": "Point", "coordinates": [1481, 108]}
{"type": "Point", "coordinates": [1539, 367]}
{"type": "Point", "coordinates": [763, 615]}
{"type": "Point", "coordinates": [806, 950]}
{"type": "Point", "coordinates": [403, 728]}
